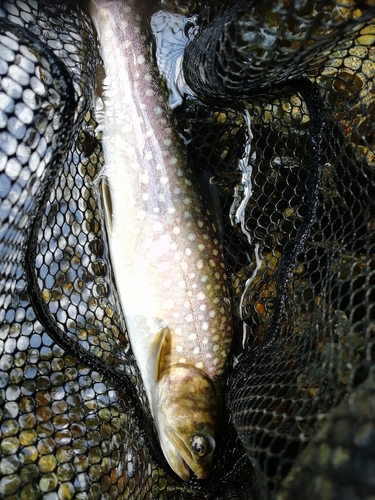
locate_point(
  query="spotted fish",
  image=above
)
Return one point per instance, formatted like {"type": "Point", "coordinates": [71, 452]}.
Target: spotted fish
{"type": "Point", "coordinates": [165, 252]}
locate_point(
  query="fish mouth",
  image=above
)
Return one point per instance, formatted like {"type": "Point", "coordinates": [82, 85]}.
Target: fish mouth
{"type": "Point", "coordinates": [185, 459]}
{"type": "Point", "coordinates": [180, 465]}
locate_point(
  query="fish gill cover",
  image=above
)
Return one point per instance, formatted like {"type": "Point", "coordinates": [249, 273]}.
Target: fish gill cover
{"type": "Point", "coordinates": [279, 117]}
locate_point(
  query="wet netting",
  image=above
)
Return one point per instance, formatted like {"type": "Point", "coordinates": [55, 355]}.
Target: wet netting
{"type": "Point", "coordinates": [276, 110]}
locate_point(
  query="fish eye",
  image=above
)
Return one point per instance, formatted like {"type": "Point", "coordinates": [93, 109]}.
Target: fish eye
{"type": "Point", "coordinates": [202, 445]}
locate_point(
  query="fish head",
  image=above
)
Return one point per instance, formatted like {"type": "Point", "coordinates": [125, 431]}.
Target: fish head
{"type": "Point", "coordinates": [186, 408]}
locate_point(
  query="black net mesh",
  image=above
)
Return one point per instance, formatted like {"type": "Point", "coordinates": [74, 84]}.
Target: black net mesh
{"type": "Point", "coordinates": [281, 122]}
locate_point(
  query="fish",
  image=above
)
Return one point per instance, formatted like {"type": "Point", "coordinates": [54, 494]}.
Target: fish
{"type": "Point", "coordinates": [165, 252]}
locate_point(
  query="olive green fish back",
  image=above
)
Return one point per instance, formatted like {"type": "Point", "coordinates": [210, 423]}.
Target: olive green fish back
{"type": "Point", "coordinates": [282, 123]}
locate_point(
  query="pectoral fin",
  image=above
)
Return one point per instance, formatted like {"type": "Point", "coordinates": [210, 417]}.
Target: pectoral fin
{"type": "Point", "coordinates": [106, 203]}
{"type": "Point", "coordinates": [161, 348]}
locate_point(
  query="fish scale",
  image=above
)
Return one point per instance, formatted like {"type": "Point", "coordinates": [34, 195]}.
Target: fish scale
{"type": "Point", "coordinates": [164, 248]}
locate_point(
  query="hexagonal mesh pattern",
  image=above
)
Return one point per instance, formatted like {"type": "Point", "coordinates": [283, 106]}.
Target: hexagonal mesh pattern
{"type": "Point", "coordinates": [281, 124]}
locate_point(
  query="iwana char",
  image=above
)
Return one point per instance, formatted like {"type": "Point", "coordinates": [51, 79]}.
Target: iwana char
{"type": "Point", "coordinates": [166, 256]}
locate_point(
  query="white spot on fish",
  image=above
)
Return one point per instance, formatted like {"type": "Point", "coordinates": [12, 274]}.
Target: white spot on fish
{"type": "Point", "coordinates": [200, 223]}
{"type": "Point", "coordinates": [201, 296]}
{"type": "Point", "coordinates": [201, 247]}
{"type": "Point", "coordinates": [145, 196]}
{"type": "Point", "coordinates": [202, 307]}
{"type": "Point", "coordinates": [212, 313]}
{"type": "Point", "coordinates": [199, 364]}
{"type": "Point", "coordinates": [144, 178]}
{"type": "Point", "coordinates": [204, 278]}
{"type": "Point", "coordinates": [179, 348]}
{"type": "Point", "coordinates": [173, 160]}
{"type": "Point", "coordinates": [205, 341]}
{"type": "Point", "coordinates": [205, 325]}
{"type": "Point", "coordinates": [182, 360]}
{"type": "Point", "coordinates": [187, 201]}
{"type": "Point", "coordinates": [189, 318]}
{"type": "Point", "coordinates": [188, 251]}
{"type": "Point", "coordinates": [176, 230]}
{"type": "Point", "coordinates": [168, 304]}
{"type": "Point", "coordinates": [141, 59]}
{"type": "Point", "coordinates": [157, 226]}
{"type": "Point", "coordinates": [192, 336]}
{"type": "Point", "coordinates": [200, 264]}
{"type": "Point", "coordinates": [141, 214]}
{"type": "Point", "coordinates": [191, 237]}
{"type": "Point", "coordinates": [196, 350]}
{"type": "Point", "coordinates": [163, 267]}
